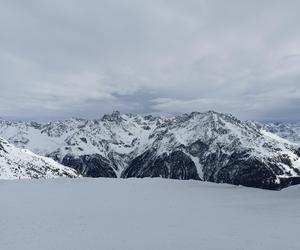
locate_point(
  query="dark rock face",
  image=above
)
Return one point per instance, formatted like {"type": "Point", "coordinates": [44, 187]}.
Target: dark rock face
{"type": "Point", "coordinates": [237, 168]}
{"type": "Point", "coordinates": [297, 152]}
{"type": "Point", "coordinates": [247, 172]}
{"type": "Point", "coordinates": [197, 148]}
{"type": "Point", "coordinates": [177, 165]}
{"type": "Point", "coordinates": [90, 165]}
{"type": "Point", "coordinates": [286, 182]}
{"type": "Point", "coordinates": [2, 148]}
{"type": "Point", "coordinates": [250, 172]}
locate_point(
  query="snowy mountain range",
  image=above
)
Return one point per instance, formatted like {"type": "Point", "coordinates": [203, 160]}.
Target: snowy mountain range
{"type": "Point", "coordinates": [21, 163]}
{"type": "Point", "coordinates": [206, 146]}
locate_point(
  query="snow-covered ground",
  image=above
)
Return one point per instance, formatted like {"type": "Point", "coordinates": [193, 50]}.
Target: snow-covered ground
{"type": "Point", "coordinates": [145, 214]}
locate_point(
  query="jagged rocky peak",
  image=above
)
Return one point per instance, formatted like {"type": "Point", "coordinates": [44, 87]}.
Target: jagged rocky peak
{"type": "Point", "coordinates": [114, 116]}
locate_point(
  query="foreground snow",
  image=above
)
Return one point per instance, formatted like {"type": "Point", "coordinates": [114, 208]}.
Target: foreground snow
{"type": "Point", "coordinates": [145, 214]}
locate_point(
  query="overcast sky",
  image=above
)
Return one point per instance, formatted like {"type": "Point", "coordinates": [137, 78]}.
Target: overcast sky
{"type": "Point", "coordinates": [63, 58]}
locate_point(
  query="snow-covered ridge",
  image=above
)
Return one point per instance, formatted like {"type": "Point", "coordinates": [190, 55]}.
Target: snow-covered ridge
{"type": "Point", "coordinates": [287, 130]}
{"type": "Point", "coordinates": [18, 163]}
{"type": "Point", "coordinates": [209, 146]}
{"type": "Point", "coordinates": [113, 136]}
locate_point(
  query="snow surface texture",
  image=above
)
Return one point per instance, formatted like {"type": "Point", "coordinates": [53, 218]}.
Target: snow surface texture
{"type": "Point", "coordinates": [146, 214]}
{"type": "Point", "coordinates": [21, 163]}
{"type": "Point", "coordinates": [209, 146]}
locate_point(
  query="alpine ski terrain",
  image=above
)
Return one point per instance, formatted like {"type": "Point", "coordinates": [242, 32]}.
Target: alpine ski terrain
{"type": "Point", "coordinates": [134, 214]}
{"type": "Point", "coordinates": [206, 146]}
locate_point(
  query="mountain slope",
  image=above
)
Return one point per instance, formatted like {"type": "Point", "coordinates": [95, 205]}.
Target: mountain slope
{"type": "Point", "coordinates": [286, 130]}
{"type": "Point", "coordinates": [223, 149]}
{"type": "Point", "coordinates": [209, 146]}
{"type": "Point", "coordinates": [96, 148]}
{"type": "Point", "coordinates": [20, 163]}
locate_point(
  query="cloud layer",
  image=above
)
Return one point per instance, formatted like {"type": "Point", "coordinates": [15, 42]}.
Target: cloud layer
{"type": "Point", "coordinates": [85, 58]}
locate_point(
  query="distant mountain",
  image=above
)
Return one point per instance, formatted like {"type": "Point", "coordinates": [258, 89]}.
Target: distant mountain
{"type": "Point", "coordinates": [206, 146]}
{"type": "Point", "coordinates": [287, 130]}
{"type": "Point", "coordinates": [18, 163]}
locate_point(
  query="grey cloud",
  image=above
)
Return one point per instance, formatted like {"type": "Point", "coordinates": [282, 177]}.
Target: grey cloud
{"type": "Point", "coordinates": [84, 58]}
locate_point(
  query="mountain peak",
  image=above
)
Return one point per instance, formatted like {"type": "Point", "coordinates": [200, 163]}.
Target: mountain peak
{"type": "Point", "coordinates": [114, 116]}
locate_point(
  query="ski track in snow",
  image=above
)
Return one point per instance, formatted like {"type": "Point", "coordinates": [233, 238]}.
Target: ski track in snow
{"type": "Point", "coordinates": [145, 214]}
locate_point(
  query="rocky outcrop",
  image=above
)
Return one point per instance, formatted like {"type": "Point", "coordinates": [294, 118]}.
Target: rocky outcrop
{"type": "Point", "coordinates": [90, 165]}
{"type": "Point", "coordinates": [177, 165]}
